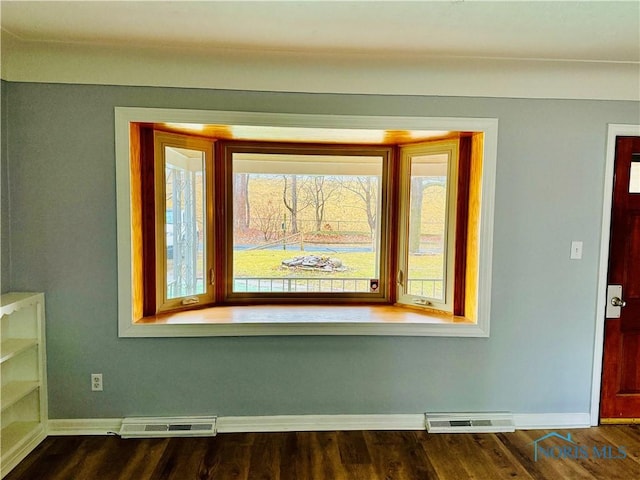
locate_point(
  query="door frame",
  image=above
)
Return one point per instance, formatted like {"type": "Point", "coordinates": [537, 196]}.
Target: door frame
{"type": "Point", "coordinates": [613, 131]}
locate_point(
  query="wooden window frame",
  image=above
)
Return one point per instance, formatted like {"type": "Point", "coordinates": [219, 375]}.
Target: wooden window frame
{"type": "Point", "coordinates": [136, 320]}
{"type": "Point", "coordinates": [224, 270]}
{"type": "Point", "coordinates": [393, 216]}
{"type": "Point", "coordinates": [156, 229]}
{"type": "Point", "coordinates": [455, 238]}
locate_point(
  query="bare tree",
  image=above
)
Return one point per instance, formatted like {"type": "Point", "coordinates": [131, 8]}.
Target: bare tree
{"type": "Point", "coordinates": [366, 188]}
{"type": "Point", "coordinates": [267, 217]}
{"type": "Point", "coordinates": [319, 191]}
{"type": "Point", "coordinates": [291, 205]}
{"type": "Point", "coordinates": [415, 214]}
{"type": "Point", "coordinates": [241, 206]}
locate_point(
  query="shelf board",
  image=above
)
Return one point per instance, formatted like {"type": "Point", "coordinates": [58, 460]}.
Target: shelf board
{"type": "Point", "coordinates": [14, 346]}
{"type": "Point", "coordinates": [14, 301]}
{"type": "Point", "coordinates": [15, 391]}
{"type": "Point", "coordinates": [17, 431]}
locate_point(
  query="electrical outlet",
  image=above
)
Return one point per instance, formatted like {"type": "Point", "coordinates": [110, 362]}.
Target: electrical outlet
{"type": "Point", "coordinates": [96, 382]}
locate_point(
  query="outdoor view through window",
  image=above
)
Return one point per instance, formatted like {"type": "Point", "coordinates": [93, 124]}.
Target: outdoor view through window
{"type": "Point", "coordinates": [427, 233]}
{"type": "Point", "coordinates": [184, 222]}
{"type": "Point", "coordinates": [306, 223]}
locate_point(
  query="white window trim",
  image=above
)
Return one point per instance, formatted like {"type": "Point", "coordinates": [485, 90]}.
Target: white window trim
{"type": "Point", "coordinates": [125, 115]}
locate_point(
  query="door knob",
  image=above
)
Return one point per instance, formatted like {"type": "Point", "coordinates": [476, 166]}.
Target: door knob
{"type": "Point", "coordinates": [618, 302]}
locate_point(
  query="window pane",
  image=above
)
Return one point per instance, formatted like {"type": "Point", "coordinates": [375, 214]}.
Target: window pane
{"type": "Point", "coordinates": [426, 258]}
{"type": "Point", "coordinates": [185, 210]}
{"type": "Point", "coordinates": [306, 223]}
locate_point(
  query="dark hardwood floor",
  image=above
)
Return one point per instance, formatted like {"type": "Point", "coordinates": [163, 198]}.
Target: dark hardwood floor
{"type": "Point", "coordinates": [606, 452]}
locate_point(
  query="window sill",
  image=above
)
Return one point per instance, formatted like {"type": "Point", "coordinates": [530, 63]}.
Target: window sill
{"type": "Point", "coordinates": [266, 320]}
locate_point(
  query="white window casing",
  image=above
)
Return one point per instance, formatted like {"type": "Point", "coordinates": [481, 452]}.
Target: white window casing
{"type": "Point", "coordinates": [124, 116]}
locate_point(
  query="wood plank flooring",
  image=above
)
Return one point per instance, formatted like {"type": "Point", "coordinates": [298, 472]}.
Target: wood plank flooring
{"type": "Point", "coordinates": [356, 455]}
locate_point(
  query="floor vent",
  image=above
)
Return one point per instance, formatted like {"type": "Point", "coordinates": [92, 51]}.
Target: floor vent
{"type": "Point", "coordinates": [168, 427]}
{"type": "Point", "coordinates": [469, 422]}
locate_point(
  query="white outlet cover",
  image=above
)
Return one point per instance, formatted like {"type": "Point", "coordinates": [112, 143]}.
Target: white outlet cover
{"type": "Point", "coordinates": [96, 382]}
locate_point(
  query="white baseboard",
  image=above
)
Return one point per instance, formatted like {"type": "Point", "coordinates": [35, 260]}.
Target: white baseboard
{"type": "Point", "coordinates": [9, 462]}
{"type": "Point", "coordinates": [310, 423]}
{"type": "Point", "coordinates": [551, 421]}
{"type": "Point", "coordinates": [305, 423]}
{"type": "Point", "coordinates": [84, 426]}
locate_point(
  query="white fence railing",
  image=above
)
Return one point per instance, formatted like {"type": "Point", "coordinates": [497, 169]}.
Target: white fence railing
{"type": "Point", "coordinates": [426, 287]}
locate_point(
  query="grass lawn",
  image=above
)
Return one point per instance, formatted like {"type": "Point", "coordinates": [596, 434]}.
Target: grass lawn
{"type": "Point", "coordinates": [268, 264]}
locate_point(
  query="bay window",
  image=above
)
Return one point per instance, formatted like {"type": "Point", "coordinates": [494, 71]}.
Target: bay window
{"type": "Point", "coordinates": [221, 220]}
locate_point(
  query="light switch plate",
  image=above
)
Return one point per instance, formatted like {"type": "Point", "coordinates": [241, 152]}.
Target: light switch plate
{"type": "Point", "coordinates": [576, 250]}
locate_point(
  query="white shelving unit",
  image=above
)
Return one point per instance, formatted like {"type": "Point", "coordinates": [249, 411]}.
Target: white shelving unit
{"type": "Point", "coordinates": [23, 380]}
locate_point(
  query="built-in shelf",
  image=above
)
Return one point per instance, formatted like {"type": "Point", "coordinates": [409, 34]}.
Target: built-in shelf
{"type": "Point", "coordinates": [11, 347]}
{"type": "Point", "coordinates": [16, 391]}
{"type": "Point", "coordinates": [23, 403]}
{"type": "Point", "coordinates": [12, 434]}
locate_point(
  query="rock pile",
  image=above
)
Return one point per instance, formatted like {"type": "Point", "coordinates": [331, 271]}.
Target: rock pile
{"type": "Point", "coordinates": [314, 262]}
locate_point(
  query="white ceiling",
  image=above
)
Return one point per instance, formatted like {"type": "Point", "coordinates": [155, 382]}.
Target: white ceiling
{"type": "Point", "coordinates": [583, 31]}
{"type": "Point", "coordinates": [524, 49]}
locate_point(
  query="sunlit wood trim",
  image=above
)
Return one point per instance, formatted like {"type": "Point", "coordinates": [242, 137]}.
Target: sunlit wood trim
{"type": "Point", "coordinates": [147, 184]}
{"type": "Point", "coordinates": [393, 236]}
{"type": "Point", "coordinates": [350, 136]}
{"type": "Point", "coordinates": [246, 314]}
{"type": "Point", "coordinates": [620, 421]}
{"type": "Point", "coordinates": [260, 320]}
{"type": "Point", "coordinates": [472, 259]}
{"type": "Point", "coordinates": [220, 186]}
{"type": "Point", "coordinates": [462, 212]}
{"type": "Point", "coordinates": [137, 228]}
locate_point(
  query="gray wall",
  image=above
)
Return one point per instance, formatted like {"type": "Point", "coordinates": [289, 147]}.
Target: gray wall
{"type": "Point", "coordinates": [537, 359]}
{"type": "Point", "coordinates": [5, 253]}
